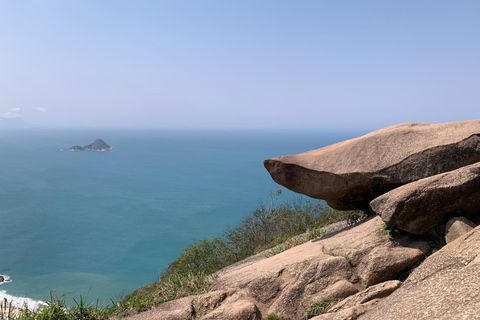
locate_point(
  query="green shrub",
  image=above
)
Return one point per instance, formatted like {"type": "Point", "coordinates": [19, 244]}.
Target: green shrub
{"type": "Point", "coordinates": [390, 231]}
{"type": "Point", "coordinates": [204, 256]}
{"type": "Point", "coordinates": [316, 309]}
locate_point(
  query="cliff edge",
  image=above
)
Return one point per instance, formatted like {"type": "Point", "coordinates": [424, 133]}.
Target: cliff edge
{"type": "Point", "coordinates": [423, 183]}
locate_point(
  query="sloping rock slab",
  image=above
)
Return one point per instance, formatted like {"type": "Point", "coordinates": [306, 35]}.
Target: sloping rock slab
{"type": "Point", "coordinates": [426, 203]}
{"type": "Point", "coordinates": [378, 291]}
{"type": "Point", "coordinates": [324, 269]}
{"type": "Point", "coordinates": [239, 310]}
{"type": "Point", "coordinates": [444, 287]}
{"type": "Point", "coordinates": [349, 174]}
{"type": "Point", "coordinates": [351, 313]}
{"type": "Point", "coordinates": [179, 309]}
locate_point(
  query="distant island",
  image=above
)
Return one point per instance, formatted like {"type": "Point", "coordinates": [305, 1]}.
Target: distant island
{"type": "Point", "coordinates": [97, 145]}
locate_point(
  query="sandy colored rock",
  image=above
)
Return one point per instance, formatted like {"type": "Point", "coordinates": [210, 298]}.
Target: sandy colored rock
{"type": "Point", "coordinates": [179, 309]}
{"type": "Point", "coordinates": [356, 242]}
{"type": "Point", "coordinates": [426, 203]}
{"type": "Point", "coordinates": [312, 280]}
{"type": "Point", "coordinates": [456, 227]}
{"type": "Point", "coordinates": [349, 174]}
{"type": "Point", "coordinates": [334, 292]}
{"type": "Point", "coordinates": [378, 291]}
{"type": "Point", "coordinates": [238, 310]}
{"type": "Point", "coordinates": [212, 299]}
{"type": "Point", "coordinates": [383, 263]}
{"type": "Point", "coordinates": [265, 289]}
{"type": "Point", "coordinates": [351, 313]}
{"type": "Point", "coordinates": [444, 287]}
{"type": "Point", "coordinates": [319, 270]}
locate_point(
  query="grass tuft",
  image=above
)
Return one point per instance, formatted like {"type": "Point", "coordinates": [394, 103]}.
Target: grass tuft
{"type": "Point", "coordinates": [316, 309]}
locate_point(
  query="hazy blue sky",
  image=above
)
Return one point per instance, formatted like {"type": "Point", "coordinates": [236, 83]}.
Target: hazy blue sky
{"type": "Point", "coordinates": [240, 64]}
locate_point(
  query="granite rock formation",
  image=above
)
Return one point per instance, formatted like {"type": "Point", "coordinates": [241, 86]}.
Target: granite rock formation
{"type": "Point", "coordinates": [349, 174]}
{"type": "Point", "coordinates": [421, 205]}
{"type": "Point", "coordinates": [443, 287]}
{"type": "Point", "coordinates": [331, 268]}
{"type": "Point", "coordinates": [457, 227]}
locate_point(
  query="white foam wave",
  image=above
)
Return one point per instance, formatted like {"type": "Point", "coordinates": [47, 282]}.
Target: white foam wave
{"type": "Point", "coordinates": [6, 279]}
{"type": "Point", "coordinates": [21, 302]}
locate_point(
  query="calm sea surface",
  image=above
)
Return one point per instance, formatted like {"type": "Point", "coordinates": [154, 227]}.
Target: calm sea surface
{"type": "Point", "coordinates": [102, 224]}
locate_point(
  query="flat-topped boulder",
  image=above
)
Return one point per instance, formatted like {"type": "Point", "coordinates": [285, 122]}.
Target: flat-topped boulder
{"type": "Point", "coordinates": [97, 145]}
{"type": "Point", "coordinates": [349, 174]}
{"type": "Point", "coordinates": [421, 205]}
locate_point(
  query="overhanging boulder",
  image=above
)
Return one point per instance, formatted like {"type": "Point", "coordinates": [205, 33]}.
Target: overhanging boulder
{"type": "Point", "coordinates": [349, 174]}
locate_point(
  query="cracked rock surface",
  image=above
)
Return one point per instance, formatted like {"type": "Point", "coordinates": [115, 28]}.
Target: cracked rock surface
{"type": "Point", "coordinates": [445, 286]}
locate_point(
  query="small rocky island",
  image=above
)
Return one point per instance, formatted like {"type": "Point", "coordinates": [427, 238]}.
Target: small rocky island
{"type": "Point", "coordinates": [97, 145]}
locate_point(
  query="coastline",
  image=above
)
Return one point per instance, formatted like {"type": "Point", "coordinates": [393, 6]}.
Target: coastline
{"type": "Point", "coordinates": [20, 302]}
{"type": "Point", "coordinates": [7, 301]}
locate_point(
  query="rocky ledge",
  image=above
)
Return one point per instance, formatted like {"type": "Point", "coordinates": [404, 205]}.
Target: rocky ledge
{"type": "Point", "coordinates": [421, 180]}
{"type": "Point", "coordinates": [97, 145]}
{"type": "Point", "coordinates": [350, 174]}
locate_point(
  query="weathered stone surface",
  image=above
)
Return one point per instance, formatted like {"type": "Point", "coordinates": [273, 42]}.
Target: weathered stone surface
{"type": "Point", "coordinates": [238, 310]}
{"type": "Point", "coordinates": [315, 278]}
{"type": "Point", "coordinates": [265, 289]}
{"type": "Point", "coordinates": [179, 309]}
{"type": "Point", "coordinates": [324, 269]}
{"type": "Point", "coordinates": [330, 268]}
{"type": "Point", "coordinates": [444, 287]}
{"type": "Point", "coordinates": [383, 264]}
{"type": "Point", "coordinates": [212, 299]}
{"type": "Point", "coordinates": [349, 174]}
{"type": "Point", "coordinates": [456, 227]}
{"type": "Point", "coordinates": [378, 291]}
{"type": "Point", "coordinates": [351, 313]}
{"type": "Point", "coordinates": [357, 242]}
{"type": "Point", "coordinates": [426, 203]}
{"type": "Point", "coordinates": [334, 292]}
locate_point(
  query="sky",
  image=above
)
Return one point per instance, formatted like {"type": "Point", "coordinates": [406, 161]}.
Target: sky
{"type": "Point", "coordinates": [262, 64]}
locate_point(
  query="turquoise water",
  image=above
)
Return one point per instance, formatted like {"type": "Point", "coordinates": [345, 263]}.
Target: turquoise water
{"type": "Point", "coordinates": [102, 224]}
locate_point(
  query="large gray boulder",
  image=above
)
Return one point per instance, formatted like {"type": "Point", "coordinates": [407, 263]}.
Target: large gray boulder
{"type": "Point", "coordinates": [444, 287]}
{"type": "Point", "coordinates": [349, 174]}
{"type": "Point", "coordinates": [426, 203]}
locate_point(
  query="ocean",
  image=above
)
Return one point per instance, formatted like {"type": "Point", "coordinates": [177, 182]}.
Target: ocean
{"type": "Point", "coordinates": [102, 224]}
